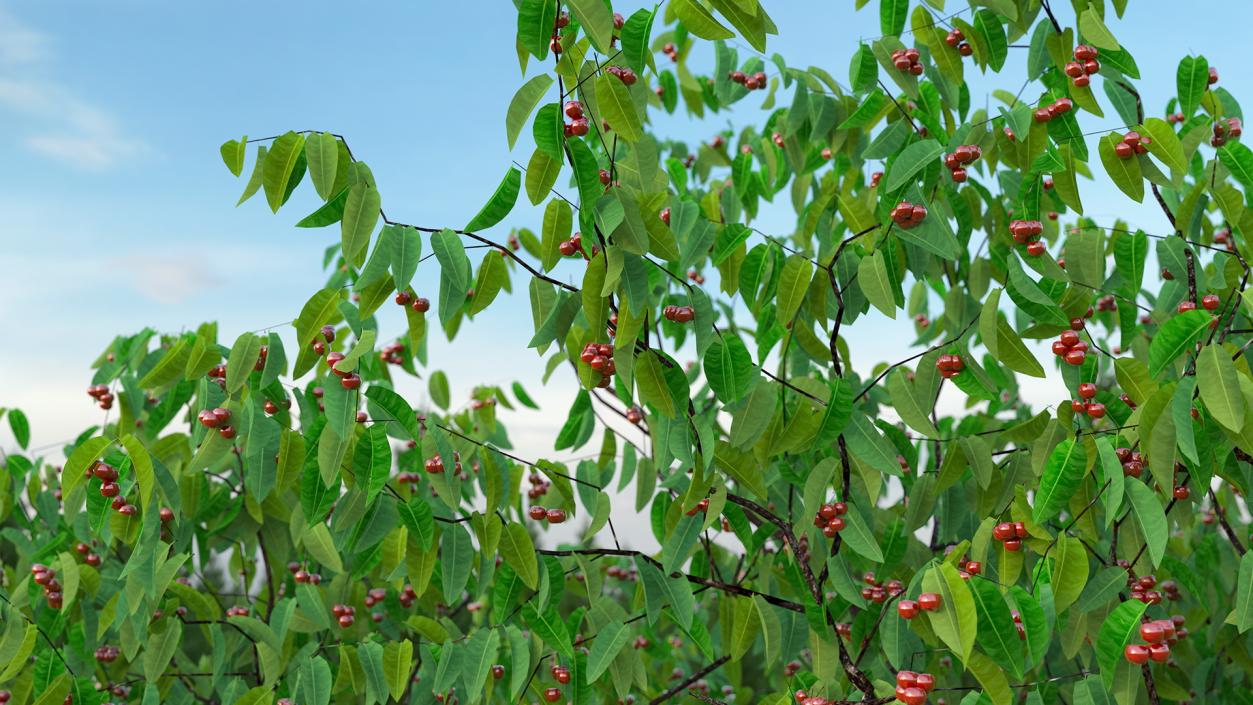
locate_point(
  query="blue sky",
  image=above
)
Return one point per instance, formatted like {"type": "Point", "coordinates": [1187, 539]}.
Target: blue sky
{"type": "Point", "coordinates": [118, 213]}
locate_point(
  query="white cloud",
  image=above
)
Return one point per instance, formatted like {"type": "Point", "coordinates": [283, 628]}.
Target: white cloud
{"type": "Point", "coordinates": [166, 279]}
{"type": "Point", "coordinates": [59, 124]}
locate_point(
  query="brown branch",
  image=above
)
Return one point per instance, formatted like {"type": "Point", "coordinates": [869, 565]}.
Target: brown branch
{"type": "Point", "coordinates": [680, 687]}
{"type": "Point", "coordinates": [1222, 520]}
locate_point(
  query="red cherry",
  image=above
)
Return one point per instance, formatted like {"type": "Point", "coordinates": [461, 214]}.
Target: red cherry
{"type": "Point", "coordinates": [913, 696]}
{"type": "Point", "coordinates": [1087, 390]}
{"type": "Point", "coordinates": [1210, 302]}
{"type": "Point", "coordinates": [1181, 493]}
{"type": "Point", "coordinates": [1159, 653]}
{"type": "Point", "coordinates": [1136, 653]}
{"type": "Point", "coordinates": [908, 609]}
{"type": "Point", "coordinates": [1075, 357]}
{"type": "Point", "coordinates": [1152, 632]}
{"type": "Point", "coordinates": [926, 681]}
{"type": "Point", "coordinates": [1013, 545]}
{"type": "Point", "coordinates": [906, 679]}
{"type": "Point", "coordinates": [556, 516]}
{"type": "Point", "coordinates": [929, 601]}
{"type": "Point", "coordinates": [1096, 410]}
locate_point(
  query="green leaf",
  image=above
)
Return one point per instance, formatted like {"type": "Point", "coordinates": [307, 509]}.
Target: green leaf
{"type": "Point", "coordinates": [876, 284]}
{"type": "Point", "coordinates": [370, 655]}
{"type": "Point", "coordinates": [996, 634]}
{"type": "Point", "coordinates": [518, 550]}
{"type": "Point", "coordinates": [1003, 342]}
{"type": "Point", "coordinates": [863, 73]}
{"type": "Point", "coordinates": [549, 627]}
{"type": "Point", "coordinates": [500, 203]}
{"type": "Point", "coordinates": [1177, 336]}
{"type": "Point", "coordinates": [991, 678]}
{"type": "Point", "coordinates": [493, 274]}
{"type": "Point", "coordinates": [556, 228]}
{"type": "Point", "coordinates": [535, 25]}
{"type": "Point", "coordinates": [596, 19]}
{"type": "Point", "coordinates": [1095, 32]}
{"type": "Point", "coordinates": [914, 410]}
{"type": "Point", "coordinates": [145, 474]}
{"type": "Point", "coordinates": [1102, 588]}
{"type": "Point", "coordinates": [240, 363]}
{"type": "Point", "coordinates": [914, 159]}
{"type": "Point", "coordinates": [541, 175]}
{"type": "Point", "coordinates": [858, 536]}
{"type": "Point", "coordinates": [617, 108]}
{"type": "Point", "coordinates": [480, 652]}
{"type": "Point", "coordinates": [361, 214]}
{"type": "Point", "coordinates": [698, 20]}
{"type": "Point", "coordinates": [317, 539]}
{"type": "Point", "coordinates": [523, 103]}
{"type": "Point", "coordinates": [991, 32]}
{"type": "Point", "coordinates": [405, 246]}
{"type": "Point", "coordinates": [1239, 161]}
{"type": "Point", "coordinates": [679, 542]}
{"type": "Point", "coordinates": [1165, 145]}
{"type": "Point", "coordinates": [611, 638]}
{"type": "Point", "coordinates": [456, 554]}
{"type": "Point", "coordinates": [1191, 81]}
{"type": "Point", "coordinates": [1070, 571]}
{"type": "Point", "coordinates": [1125, 172]}
{"type": "Point", "coordinates": [437, 385]}
{"type": "Point", "coordinates": [892, 16]}
{"type": "Point", "coordinates": [1242, 615]}
{"type": "Point", "coordinates": [956, 622]}
{"type": "Point", "coordinates": [651, 383]}
{"type": "Point", "coordinates": [234, 152]}
{"type": "Point", "coordinates": [793, 284]}
{"type": "Point", "coordinates": [1150, 519]}
{"type": "Point", "coordinates": [322, 154]}
{"type": "Point", "coordinates": [1130, 253]}
{"type": "Point", "coordinates": [636, 34]}
{"type": "Point", "coordinates": [82, 458]}
{"type": "Point", "coordinates": [20, 425]}
{"type": "Point", "coordinates": [1220, 389]}
{"type": "Point", "coordinates": [1116, 632]}
{"type": "Point", "coordinates": [328, 213]}
{"type": "Point", "coordinates": [281, 161]}
{"type": "Point", "coordinates": [1062, 474]}
{"type": "Point", "coordinates": [315, 681]}
{"type": "Point", "coordinates": [729, 368]}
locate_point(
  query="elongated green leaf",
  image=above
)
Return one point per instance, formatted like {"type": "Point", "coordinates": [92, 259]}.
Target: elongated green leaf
{"type": "Point", "coordinates": [892, 16]}
{"type": "Point", "coordinates": [1124, 172]}
{"type": "Point", "coordinates": [361, 214]}
{"type": "Point", "coordinates": [698, 20]}
{"type": "Point", "coordinates": [1176, 337]}
{"type": "Point", "coordinates": [1095, 32]}
{"type": "Point", "coordinates": [234, 152]}
{"type": "Point", "coordinates": [1003, 342]}
{"type": "Point", "coordinates": [596, 20]}
{"type": "Point", "coordinates": [1062, 474]}
{"type": "Point", "coordinates": [997, 636]}
{"type": "Point", "coordinates": [1220, 390]}
{"type": "Point", "coordinates": [1242, 615]}
{"type": "Point", "coordinates": [1116, 632]}
{"type": "Point", "coordinates": [281, 161]}
{"type": "Point", "coordinates": [956, 622]}
{"type": "Point", "coordinates": [729, 368]}
{"type": "Point", "coordinates": [523, 103]}
{"type": "Point", "coordinates": [1150, 519]}
{"type": "Point", "coordinates": [913, 160]}
{"type": "Point", "coordinates": [1191, 80]}
{"type": "Point", "coordinates": [322, 155]}
{"type": "Point", "coordinates": [872, 276]}
{"type": "Point", "coordinates": [500, 203]}
{"type": "Point", "coordinates": [617, 108]}
{"type": "Point", "coordinates": [518, 550]}
{"type": "Point", "coordinates": [793, 284]}
{"type": "Point", "coordinates": [610, 640]}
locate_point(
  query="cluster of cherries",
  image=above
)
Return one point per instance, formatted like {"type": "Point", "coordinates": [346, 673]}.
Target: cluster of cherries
{"type": "Point", "coordinates": [830, 518]}
{"type": "Point", "coordinates": [1061, 106]}
{"type": "Point", "coordinates": [679, 314]}
{"type": "Point", "coordinates": [1160, 635]}
{"type": "Point", "coordinates": [1085, 405]}
{"type": "Point", "coordinates": [47, 578]}
{"type": "Point", "coordinates": [300, 575]}
{"type": "Point", "coordinates": [328, 337]}
{"type": "Point", "coordinates": [561, 674]}
{"type": "Point", "coordinates": [348, 380]}
{"type": "Point", "coordinates": [573, 246]}
{"type": "Point", "coordinates": [751, 81]}
{"type": "Point", "coordinates": [671, 51]}
{"type": "Point", "coordinates": [271, 408]}
{"type": "Point", "coordinates": [922, 320]}
{"type": "Point", "coordinates": [110, 489]}
{"type": "Point", "coordinates": [623, 74]}
{"type": "Point", "coordinates": [912, 688]}
{"type": "Point", "coordinates": [907, 60]}
{"type": "Point", "coordinates": [599, 357]}
{"type": "Point", "coordinates": [391, 353]}
{"type": "Point", "coordinates": [556, 515]}
{"type": "Point", "coordinates": [344, 614]}
{"type": "Point", "coordinates": [539, 486]}
{"type": "Point", "coordinates": [218, 418]}
{"type": "Point", "coordinates": [102, 395]}
{"type": "Point", "coordinates": [875, 178]}
{"type": "Point", "coordinates": [696, 277]}
{"type": "Point", "coordinates": [877, 591]}
{"type": "Point", "coordinates": [1028, 232]}
{"type": "Point", "coordinates": [107, 654]}
{"type": "Point", "coordinates": [89, 557]}
{"type": "Point", "coordinates": [1084, 66]}
{"type": "Point", "coordinates": [419, 304]}
{"type": "Point", "coordinates": [950, 365]}
{"type": "Point", "coordinates": [1142, 589]}
{"type": "Point", "coordinates": [1133, 143]}
{"type": "Point", "coordinates": [1010, 534]}
{"type": "Point", "coordinates": [957, 40]}
{"type": "Point", "coordinates": [578, 126]}
{"type": "Point", "coordinates": [1070, 348]}
{"type": "Point", "coordinates": [554, 44]}
{"type": "Point", "coordinates": [927, 602]}
{"type": "Point", "coordinates": [435, 464]}
{"type": "Point", "coordinates": [1230, 128]}
{"type": "Point", "coordinates": [620, 573]}
{"type": "Point", "coordinates": [960, 158]}
{"type": "Point", "coordinates": [906, 215]}
{"type": "Point", "coordinates": [237, 611]}
{"type": "Point", "coordinates": [1209, 302]}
